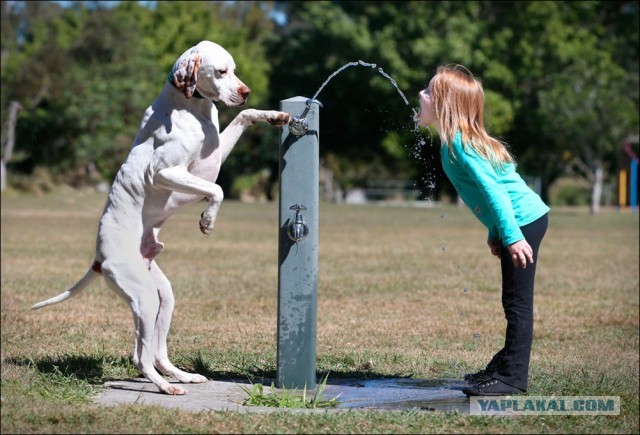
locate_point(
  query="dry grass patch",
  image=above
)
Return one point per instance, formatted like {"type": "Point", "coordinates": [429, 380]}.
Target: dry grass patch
{"type": "Point", "coordinates": [402, 291]}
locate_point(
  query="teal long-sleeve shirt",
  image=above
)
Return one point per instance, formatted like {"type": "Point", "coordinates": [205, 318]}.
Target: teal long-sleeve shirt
{"type": "Point", "coordinates": [499, 198]}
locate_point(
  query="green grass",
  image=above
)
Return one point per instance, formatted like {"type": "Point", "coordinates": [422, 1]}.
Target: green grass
{"type": "Point", "coordinates": [289, 398]}
{"type": "Point", "coordinates": [402, 292]}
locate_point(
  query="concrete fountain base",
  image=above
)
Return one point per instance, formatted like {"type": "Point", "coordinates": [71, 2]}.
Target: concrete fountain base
{"type": "Point", "coordinates": [355, 394]}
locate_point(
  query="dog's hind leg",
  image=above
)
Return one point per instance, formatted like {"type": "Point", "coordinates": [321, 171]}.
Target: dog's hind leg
{"type": "Point", "coordinates": [131, 279]}
{"type": "Point", "coordinates": [161, 331]}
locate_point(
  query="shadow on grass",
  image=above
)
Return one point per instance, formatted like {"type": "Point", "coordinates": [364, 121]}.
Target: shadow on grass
{"type": "Point", "coordinates": [252, 369]}
{"type": "Point", "coordinates": [98, 369]}
{"type": "Point", "coordinates": [94, 370]}
{"type": "Point", "coordinates": [257, 375]}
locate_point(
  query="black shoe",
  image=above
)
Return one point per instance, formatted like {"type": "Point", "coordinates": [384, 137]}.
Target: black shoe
{"type": "Point", "coordinates": [491, 387]}
{"type": "Point", "coordinates": [485, 374]}
{"type": "Point", "coordinates": [481, 376]}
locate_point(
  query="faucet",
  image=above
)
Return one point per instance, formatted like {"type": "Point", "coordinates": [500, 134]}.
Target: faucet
{"type": "Point", "coordinates": [299, 125]}
{"type": "Point", "coordinates": [298, 230]}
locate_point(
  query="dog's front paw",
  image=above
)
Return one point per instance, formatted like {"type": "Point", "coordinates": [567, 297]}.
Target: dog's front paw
{"type": "Point", "coordinates": [174, 390]}
{"type": "Point", "coordinates": [206, 222]}
{"type": "Point", "coordinates": [190, 378]}
{"type": "Point", "coordinates": [198, 379]}
{"type": "Point", "coordinates": [277, 118]}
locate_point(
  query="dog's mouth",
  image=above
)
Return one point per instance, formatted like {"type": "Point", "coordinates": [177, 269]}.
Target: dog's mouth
{"type": "Point", "coordinates": [242, 94]}
{"type": "Point", "coordinates": [237, 100]}
{"type": "Point", "coordinates": [233, 97]}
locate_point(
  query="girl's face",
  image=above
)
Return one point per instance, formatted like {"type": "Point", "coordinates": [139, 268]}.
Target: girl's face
{"type": "Point", "coordinates": [427, 115]}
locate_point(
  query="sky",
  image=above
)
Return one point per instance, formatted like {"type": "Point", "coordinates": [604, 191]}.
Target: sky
{"type": "Point", "coordinates": [277, 15]}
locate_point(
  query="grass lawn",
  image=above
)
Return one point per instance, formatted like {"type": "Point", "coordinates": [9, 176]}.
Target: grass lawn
{"type": "Point", "coordinates": [402, 292]}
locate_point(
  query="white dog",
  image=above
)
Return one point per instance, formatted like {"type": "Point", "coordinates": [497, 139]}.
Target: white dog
{"type": "Point", "coordinates": [174, 162]}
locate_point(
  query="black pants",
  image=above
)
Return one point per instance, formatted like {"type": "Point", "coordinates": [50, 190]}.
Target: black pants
{"type": "Point", "coordinates": [511, 364]}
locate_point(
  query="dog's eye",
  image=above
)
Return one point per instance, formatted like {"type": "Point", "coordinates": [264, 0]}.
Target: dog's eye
{"type": "Point", "coordinates": [222, 72]}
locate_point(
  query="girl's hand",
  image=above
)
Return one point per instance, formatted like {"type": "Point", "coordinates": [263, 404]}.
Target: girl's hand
{"type": "Point", "coordinates": [521, 253]}
{"type": "Point", "coordinates": [495, 246]}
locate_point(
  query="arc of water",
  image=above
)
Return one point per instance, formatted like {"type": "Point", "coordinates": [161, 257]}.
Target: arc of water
{"type": "Point", "coordinates": [365, 64]}
{"type": "Point", "coordinates": [393, 82]}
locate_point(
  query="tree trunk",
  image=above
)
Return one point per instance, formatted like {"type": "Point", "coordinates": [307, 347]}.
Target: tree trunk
{"type": "Point", "coordinates": [326, 184]}
{"type": "Point", "coordinates": [11, 137]}
{"type": "Point", "coordinates": [596, 188]}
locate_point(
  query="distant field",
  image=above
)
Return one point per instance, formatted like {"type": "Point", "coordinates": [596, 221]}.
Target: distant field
{"type": "Point", "coordinates": [402, 292]}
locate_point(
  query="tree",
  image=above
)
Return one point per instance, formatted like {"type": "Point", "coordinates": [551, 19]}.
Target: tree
{"type": "Point", "coordinates": [86, 73]}
{"type": "Point", "coordinates": [562, 56]}
{"type": "Point", "coordinates": [591, 113]}
{"type": "Point", "coordinates": [366, 128]}
{"type": "Point", "coordinates": [7, 149]}
{"type": "Point", "coordinates": [29, 61]}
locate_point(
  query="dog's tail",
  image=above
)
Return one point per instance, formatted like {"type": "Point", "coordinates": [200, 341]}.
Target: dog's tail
{"type": "Point", "coordinates": [84, 282]}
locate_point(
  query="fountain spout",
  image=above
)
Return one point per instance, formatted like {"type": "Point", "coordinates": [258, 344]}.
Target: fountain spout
{"type": "Point", "coordinates": [299, 125]}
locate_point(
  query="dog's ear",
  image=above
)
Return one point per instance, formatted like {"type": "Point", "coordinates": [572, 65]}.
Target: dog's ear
{"type": "Point", "coordinates": [185, 72]}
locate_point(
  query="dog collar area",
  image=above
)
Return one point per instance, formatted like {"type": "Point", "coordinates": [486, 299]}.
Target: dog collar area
{"type": "Point", "coordinates": [196, 94]}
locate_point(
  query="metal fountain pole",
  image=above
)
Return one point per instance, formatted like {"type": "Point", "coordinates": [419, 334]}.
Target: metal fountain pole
{"type": "Point", "coordinates": [298, 245]}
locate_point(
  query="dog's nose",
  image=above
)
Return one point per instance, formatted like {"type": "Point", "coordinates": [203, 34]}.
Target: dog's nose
{"type": "Point", "coordinates": [244, 91]}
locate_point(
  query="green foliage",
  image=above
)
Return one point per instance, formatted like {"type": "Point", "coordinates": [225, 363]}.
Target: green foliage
{"type": "Point", "coordinates": [569, 192]}
{"type": "Point", "coordinates": [500, 114]}
{"type": "Point", "coordinates": [56, 385]}
{"type": "Point", "coordinates": [39, 182]}
{"type": "Point", "coordinates": [557, 76]}
{"type": "Point", "coordinates": [253, 185]}
{"type": "Point", "coordinates": [288, 398]}
{"type": "Point", "coordinates": [72, 378]}
{"type": "Point", "coordinates": [87, 74]}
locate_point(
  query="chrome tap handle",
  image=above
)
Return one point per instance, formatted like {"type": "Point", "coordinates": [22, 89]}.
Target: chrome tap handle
{"type": "Point", "coordinates": [298, 230]}
{"type": "Point", "coordinates": [299, 125]}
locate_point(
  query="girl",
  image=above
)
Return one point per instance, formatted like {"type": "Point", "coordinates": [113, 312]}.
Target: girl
{"type": "Point", "coordinates": [484, 174]}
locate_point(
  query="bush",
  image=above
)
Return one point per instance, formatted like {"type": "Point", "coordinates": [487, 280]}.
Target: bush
{"type": "Point", "coordinates": [251, 187]}
{"type": "Point", "coordinates": [569, 191]}
{"type": "Point", "coordinates": [38, 183]}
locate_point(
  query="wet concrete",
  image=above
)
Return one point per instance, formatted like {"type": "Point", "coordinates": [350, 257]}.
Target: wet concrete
{"type": "Point", "coordinates": [353, 394]}
{"type": "Point", "coordinates": [401, 393]}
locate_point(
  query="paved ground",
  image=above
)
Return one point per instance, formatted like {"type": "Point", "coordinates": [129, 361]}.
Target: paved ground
{"type": "Point", "coordinates": [390, 394]}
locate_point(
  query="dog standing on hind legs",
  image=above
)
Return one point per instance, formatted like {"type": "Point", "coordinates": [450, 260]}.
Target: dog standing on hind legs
{"type": "Point", "coordinates": [174, 162]}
